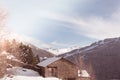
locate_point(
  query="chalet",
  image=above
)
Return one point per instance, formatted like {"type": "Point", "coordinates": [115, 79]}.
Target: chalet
{"type": "Point", "coordinates": [58, 67]}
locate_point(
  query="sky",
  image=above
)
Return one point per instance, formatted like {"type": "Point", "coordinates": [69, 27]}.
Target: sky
{"type": "Point", "coordinates": [64, 23]}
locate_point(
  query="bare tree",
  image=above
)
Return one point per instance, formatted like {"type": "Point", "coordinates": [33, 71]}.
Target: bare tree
{"type": "Point", "coordinates": [3, 18]}
{"type": "Point", "coordinates": [3, 63]}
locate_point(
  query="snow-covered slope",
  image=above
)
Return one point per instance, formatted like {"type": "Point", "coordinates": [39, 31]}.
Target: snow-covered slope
{"type": "Point", "coordinates": [27, 78]}
{"type": "Point", "coordinates": [100, 44]}
{"type": "Point", "coordinates": [18, 73]}
{"type": "Point", "coordinates": [58, 51]}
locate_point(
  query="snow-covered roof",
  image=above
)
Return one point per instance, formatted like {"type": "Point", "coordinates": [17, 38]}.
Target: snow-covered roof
{"type": "Point", "coordinates": [48, 61]}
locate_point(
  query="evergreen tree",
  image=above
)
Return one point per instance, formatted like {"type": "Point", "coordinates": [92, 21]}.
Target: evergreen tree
{"type": "Point", "coordinates": [26, 55]}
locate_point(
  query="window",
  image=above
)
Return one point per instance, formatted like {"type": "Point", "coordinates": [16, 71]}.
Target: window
{"type": "Point", "coordinates": [52, 71]}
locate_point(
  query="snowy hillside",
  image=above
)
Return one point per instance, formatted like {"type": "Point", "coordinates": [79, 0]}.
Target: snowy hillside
{"type": "Point", "coordinates": [18, 73]}
{"type": "Point", "coordinates": [58, 51]}
{"type": "Point", "coordinates": [96, 45]}
{"type": "Point", "coordinates": [27, 78]}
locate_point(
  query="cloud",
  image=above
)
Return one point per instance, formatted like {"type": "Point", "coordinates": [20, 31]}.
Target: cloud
{"type": "Point", "coordinates": [99, 27]}
{"type": "Point", "coordinates": [58, 44]}
{"type": "Point", "coordinates": [94, 26]}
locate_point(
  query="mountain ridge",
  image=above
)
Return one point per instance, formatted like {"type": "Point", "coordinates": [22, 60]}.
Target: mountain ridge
{"type": "Point", "coordinates": [100, 59]}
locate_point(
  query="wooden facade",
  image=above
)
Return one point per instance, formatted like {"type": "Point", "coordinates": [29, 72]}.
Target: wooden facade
{"type": "Point", "coordinates": [60, 68]}
{"type": "Point", "coordinates": [84, 78]}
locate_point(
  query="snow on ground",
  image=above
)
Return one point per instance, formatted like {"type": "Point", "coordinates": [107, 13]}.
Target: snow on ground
{"type": "Point", "coordinates": [27, 78]}
{"type": "Point", "coordinates": [21, 71]}
{"type": "Point", "coordinates": [18, 73]}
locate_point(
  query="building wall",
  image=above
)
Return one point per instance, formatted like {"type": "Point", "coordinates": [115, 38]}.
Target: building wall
{"type": "Point", "coordinates": [84, 78]}
{"type": "Point", "coordinates": [65, 69]}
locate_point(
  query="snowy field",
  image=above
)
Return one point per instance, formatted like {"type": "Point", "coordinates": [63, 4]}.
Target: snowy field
{"type": "Point", "coordinates": [18, 73]}
{"type": "Point", "coordinates": [27, 78]}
